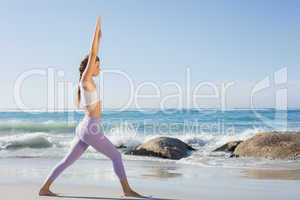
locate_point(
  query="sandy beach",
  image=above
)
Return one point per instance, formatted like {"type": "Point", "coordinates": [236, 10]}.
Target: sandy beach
{"type": "Point", "coordinates": [28, 191]}
{"type": "Point", "coordinates": [173, 100]}
{"type": "Point", "coordinates": [94, 179]}
{"type": "Point", "coordinates": [30, 150]}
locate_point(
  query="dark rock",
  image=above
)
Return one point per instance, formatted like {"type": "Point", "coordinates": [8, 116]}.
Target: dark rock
{"type": "Point", "coordinates": [229, 146]}
{"type": "Point", "coordinates": [274, 145]}
{"type": "Point", "coordinates": [121, 146]}
{"type": "Point", "coordinates": [164, 147]}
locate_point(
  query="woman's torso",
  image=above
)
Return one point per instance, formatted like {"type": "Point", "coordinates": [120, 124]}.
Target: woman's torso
{"type": "Point", "coordinates": [90, 101]}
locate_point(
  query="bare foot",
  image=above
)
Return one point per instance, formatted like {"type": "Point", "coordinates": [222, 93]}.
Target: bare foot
{"type": "Point", "coordinates": [46, 192]}
{"type": "Point", "coordinates": [132, 193]}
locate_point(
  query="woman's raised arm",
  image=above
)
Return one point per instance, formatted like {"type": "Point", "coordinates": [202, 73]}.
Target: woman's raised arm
{"type": "Point", "coordinates": [91, 65]}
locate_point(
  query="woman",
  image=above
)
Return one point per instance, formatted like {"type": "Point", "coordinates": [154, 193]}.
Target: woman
{"type": "Point", "coordinates": [88, 132]}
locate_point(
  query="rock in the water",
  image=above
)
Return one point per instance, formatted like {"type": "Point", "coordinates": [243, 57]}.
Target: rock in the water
{"type": "Point", "coordinates": [274, 145]}
{"type": "Point", "coordinates": [164, 147]}
{"type": "Point", "coordinates": [121, 146]}
{"type": "Point", "coordinates": [229, 146]}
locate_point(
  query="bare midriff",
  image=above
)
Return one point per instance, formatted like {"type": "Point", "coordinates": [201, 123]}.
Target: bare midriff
{"type": "Point", "coordinates": [94, 110]}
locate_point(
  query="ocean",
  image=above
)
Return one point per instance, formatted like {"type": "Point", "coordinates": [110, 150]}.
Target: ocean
{"type": "Point", "coordinates": [50, 134]}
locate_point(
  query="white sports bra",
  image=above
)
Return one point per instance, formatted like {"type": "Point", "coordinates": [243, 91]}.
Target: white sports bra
{"type": "Point", "coordinates": [87, 97]}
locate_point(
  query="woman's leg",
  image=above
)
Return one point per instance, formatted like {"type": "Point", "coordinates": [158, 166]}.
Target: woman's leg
{"type": "Point", "coordinates": [102, 144]}
{"type": "Point", "coordinates": [75, 152]}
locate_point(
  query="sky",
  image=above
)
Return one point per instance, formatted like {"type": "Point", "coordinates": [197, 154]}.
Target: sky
{"type": "Point", "coordinates": [153, 43]}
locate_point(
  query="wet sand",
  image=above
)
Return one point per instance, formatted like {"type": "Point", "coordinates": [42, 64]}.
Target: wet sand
{"type": "Point", "coordinates": [94, 179]}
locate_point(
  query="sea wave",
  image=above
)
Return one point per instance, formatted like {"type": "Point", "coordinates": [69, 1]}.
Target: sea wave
{"type": "Point", "coordinates": [16, 126]}
{"type": "Point", "coordinates": [47, 145]}
{"type": "Point", "coordinates": [37, 140]}
{"type": "Point", "coordinates": [120, 137]}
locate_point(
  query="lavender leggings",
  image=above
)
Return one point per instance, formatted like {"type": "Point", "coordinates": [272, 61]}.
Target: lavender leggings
{"type": "Point", "coordinates": [89, 133]}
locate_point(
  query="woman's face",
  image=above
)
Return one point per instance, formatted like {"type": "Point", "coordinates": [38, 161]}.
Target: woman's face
{"type": "Point", "coordinates": [97, 70]}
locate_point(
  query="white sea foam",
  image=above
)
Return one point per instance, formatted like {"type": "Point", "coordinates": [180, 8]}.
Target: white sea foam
{"type": "Point", "coordinates": [50, 145]}
{"type": "Point", "coordinates": [37, 140]}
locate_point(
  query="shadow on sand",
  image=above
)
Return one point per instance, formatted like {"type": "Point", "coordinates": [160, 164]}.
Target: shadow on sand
{"type": "Point", "coordinates": [112, 198]}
